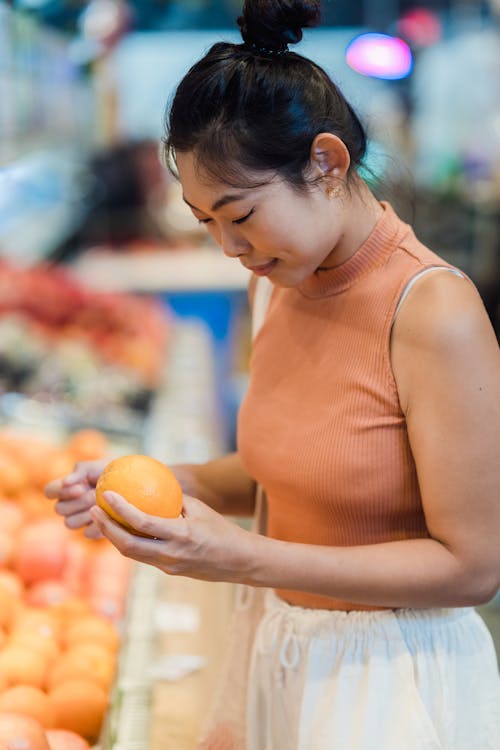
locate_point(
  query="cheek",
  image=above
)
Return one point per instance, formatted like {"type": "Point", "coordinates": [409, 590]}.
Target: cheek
{"type": "Point", "coordinates": [214, 232]}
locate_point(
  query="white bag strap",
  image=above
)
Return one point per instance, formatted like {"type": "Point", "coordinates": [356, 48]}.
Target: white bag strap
{"type": "Point", "coordinates": [417, 276]}
{"type": "Point", "coordinates": [262, 295]}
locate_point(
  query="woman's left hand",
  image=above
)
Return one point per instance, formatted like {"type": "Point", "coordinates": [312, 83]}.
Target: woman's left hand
{"type": "Point", "coordinates": [199, 544]}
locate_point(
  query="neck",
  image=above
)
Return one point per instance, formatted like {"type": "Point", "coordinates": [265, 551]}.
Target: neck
{"type": "Point", "coordinates": [362, 212]}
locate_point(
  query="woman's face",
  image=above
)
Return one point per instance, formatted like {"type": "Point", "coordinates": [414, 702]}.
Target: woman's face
{"type": "Point", "coordinates": [273, 230]}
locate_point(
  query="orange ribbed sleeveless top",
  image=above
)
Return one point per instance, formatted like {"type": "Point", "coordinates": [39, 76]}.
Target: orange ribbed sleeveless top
{"type": "Point", "coordinates": [321, 427]}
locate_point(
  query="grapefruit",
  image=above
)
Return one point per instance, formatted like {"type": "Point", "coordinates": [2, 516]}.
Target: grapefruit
{"type": "Point", "coordinates": [144, 482]}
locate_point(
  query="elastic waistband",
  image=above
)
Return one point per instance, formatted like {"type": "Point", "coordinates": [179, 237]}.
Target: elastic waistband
{"type": "Point", "coordinates": [314, 621]}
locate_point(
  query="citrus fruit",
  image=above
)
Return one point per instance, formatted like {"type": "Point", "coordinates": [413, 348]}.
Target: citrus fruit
{"type": "Point", "coordinates": [30, 701]}
{"type": "Point", "coordinates": [88, 445]}
{"type": "Point", "coordinates": [43, 643]}
{"type": "Point", "coordinates": [87, 661]}
{"type": "Point", "coordinates": [93, 629]}
{"type": "Point", "coordinates": [9, 605]}
{"type": "Point", "coordinates": [47, 593]}
{"type": "Point", "coordinates": [11, 581]}
{"type": "Point", "coordinates": [41, 551]}
{"type": "Point", "coordinates": [20, 731]}
{"type": "Point", "coordinates": [41, 620]}
{"type": "Point", "coordinates": [143, 481]}
{"type": "Point", "coordinates": [21, 666]}
{"type": "Point", "coordinates": [11, 516]}
{"type": "Point", "coordinates": [80, 706]}
{"type": "Point", "coordinates": [64, 739]}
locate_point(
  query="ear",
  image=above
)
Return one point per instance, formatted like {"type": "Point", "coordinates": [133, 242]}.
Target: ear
{"type": "Point", "coordinates": [330, 155]}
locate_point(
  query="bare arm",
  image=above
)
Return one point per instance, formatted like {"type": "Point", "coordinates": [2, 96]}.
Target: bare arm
{"type": "Point", "coordinates": [222, 483]}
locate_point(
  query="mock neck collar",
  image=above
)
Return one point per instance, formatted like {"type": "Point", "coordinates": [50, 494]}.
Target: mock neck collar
{"type": "Point", "coordinates": [373, 252]}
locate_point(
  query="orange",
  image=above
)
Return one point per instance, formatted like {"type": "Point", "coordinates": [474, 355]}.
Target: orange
{"type": "Point", "coordinates": [13, 478]}
{"type": "Point", "coordinates": [47, 593]}
{"type": "Point", "coordinates": [63, 739]}
{"type": "Point", "coordinates": [10, 604]}
{"type": "Point", "coordinates": [41, 620]}
{"type": "Point", "coordinates": [20, 731]}
{"type": "Point", "coordinates": [77, 563]}
{"type": "Point", "coordinates": [11, 516]}
{"type": "Point", "coordinates": [143, 481]}
{"type": "Point", "coordinates": [110, 606]}
{"type": "Point", "coordinates": [7, 548]}
{"type": "Point", "coordinates": [45, 644]}
{"type": "Point", "coordinates": [80, 706]}
{"type": "Point", "coordinates": [56, 463]}
{"type": "Point", "coordinates": [93, 629]}
{"type": "Point", "coordinates": [28, 700]}
{"type": "Point", "coordinates": [11, 581]}
{"type": "Point", "coordinates": [71, 609]}
{"type": "Point", "coordinates": [41, 551]}
{"type": "Point", "coordinates": [34, 505]}
{"type": "Point", "coordinates": [22, 666]}
{"type": "Point", "coordinates": [87, 445]}
{"type": "Point", "coordinates": [94, 663]}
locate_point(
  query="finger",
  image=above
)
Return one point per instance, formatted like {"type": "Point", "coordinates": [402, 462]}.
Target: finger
{"type": "Point", "coordinates": [87, 472]}
{"type": "Point", "coordinates": [143, 549]}
{"type": "Point", "coordinates": [77, 520]}
{"type": "Point", "coordinates": [152, 526]}
{"type": "Point", "coordinates": [92, 531]}
{"type": "Point", "coordinates": [60, 488]}
{"type": "Point", "coordinates": [53, 489]}
{"type": "Point", "coordinates": [191, 506]}
{"type": "Point", "coordinates": [74, 492]}
{"type": "Point", "coordinates": [67, 507]}
{"type": "Point", "coordinates": [79, 474]}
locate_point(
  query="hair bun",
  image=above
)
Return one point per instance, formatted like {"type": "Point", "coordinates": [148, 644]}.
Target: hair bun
{"type": "Point", "coordinates": [273, 24]}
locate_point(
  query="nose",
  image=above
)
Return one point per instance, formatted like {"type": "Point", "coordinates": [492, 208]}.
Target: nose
{"type": "Point", "coordinates": [232, 245]}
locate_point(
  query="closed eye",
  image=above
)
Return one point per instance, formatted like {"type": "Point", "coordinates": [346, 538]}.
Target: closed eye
{"type": "Point", "coordinates": [235, 221]}
{"type": "Point", "coordinates": [243, 218]}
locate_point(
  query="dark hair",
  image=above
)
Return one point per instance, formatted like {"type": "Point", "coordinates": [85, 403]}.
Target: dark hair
{"type": "Point", "coordinates": [258, 106]}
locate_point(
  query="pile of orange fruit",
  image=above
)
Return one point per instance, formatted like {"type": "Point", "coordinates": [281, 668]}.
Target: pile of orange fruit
{"type": "Point", "coordinates": [62, 598]}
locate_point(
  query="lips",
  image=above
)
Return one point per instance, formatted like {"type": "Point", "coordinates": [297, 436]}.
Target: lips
{"type": "Point", "coordinates": [265, 269]}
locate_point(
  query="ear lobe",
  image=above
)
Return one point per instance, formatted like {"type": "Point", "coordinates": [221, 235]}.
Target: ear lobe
{"type": "Point", "coordinates": [329, 153]}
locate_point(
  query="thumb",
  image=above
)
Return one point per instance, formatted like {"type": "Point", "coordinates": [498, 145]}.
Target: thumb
{"type": "Point", "coordinates": [194, 508]}
{"type": "Point", "coordinates": [85, 471]}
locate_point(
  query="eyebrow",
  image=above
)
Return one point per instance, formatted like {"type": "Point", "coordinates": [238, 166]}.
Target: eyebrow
{"type": "Point", "coordinates": [230, 198]}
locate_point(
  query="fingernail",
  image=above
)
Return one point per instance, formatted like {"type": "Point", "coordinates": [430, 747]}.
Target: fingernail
{"type": "Point", "coordinates": [110, 495]}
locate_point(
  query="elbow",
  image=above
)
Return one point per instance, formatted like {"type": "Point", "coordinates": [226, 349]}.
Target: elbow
{"type": "Point", "coordinates": [479, 586]}
{"type": "Point", "coordinates": [481, 595]}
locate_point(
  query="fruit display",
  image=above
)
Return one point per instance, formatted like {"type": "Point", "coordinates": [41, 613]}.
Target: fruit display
{"type": "Point", "coordinates": [61, 340]}
{"type": "Point", "coordinates": [62, 602]}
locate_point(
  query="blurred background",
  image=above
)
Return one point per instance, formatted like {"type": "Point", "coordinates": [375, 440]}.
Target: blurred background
{"type": "Point", "coordinates": [119, 319]}
{"type": "Point", "coordinates": [83, 200]}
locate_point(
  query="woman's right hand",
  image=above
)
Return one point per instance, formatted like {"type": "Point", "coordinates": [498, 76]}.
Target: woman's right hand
{"type": "Point", "coordinates": [75, 495]}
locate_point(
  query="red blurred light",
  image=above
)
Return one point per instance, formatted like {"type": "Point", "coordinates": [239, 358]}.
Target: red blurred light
{"type": "Point", "coordinates": [420, 26]}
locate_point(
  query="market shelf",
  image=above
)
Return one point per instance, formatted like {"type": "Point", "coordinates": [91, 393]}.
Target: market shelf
{"type": "Point", "coordinates": [192, 270]}
{"type": "Point", "coordinates": [173, 630]}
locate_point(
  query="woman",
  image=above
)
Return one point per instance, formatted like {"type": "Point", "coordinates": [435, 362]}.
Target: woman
{"type": "Point", "coordinates": [372, 421]}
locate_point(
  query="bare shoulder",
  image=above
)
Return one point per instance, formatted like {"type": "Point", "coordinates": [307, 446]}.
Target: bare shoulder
{"type": "Point", "coordinates": [442, 328]}
{"type": "Point", "coordinates": [441, 305]}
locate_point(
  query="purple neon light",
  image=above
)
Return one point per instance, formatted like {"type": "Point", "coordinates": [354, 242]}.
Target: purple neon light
{"type": "Point", "coordinates": [379, 56]}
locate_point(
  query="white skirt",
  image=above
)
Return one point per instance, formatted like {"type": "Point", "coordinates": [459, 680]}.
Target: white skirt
{"type": "Point", "coordinates": [305, 679]}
